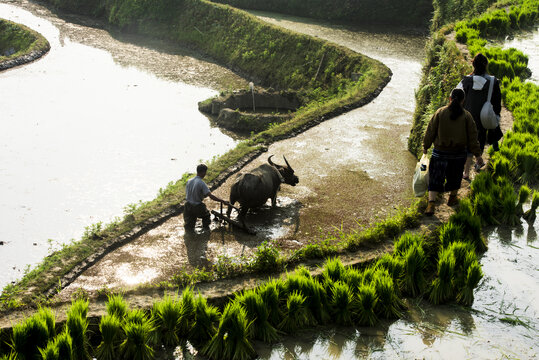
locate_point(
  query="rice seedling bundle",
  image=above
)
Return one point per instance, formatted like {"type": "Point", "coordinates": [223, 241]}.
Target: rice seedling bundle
{"type": "Point", "coordinates": [308, 288]}
{"type": "Point", "coordinates": [530, 215]}
{"type": "Point", "coordinates": [110, 328]}
{"type": "Point", "coordinates": [482, 183]}
{"type": "Point", "coordinates": [484, 205]}
{"type": "Point", "coordinates": [353, 278]}
{"type": "Point", "coordinates": [508, 212]}
{"type": "Point", "coordinates": [473, 277]}
{"type": "Point", "coordinates": [64, 343]}
{"type": "Point", "coordinates": [166, 314]}
{"type": "Point", "coordinates": [442, 286]}
{"type": "Point", "coordinates": [465, 207]}
{"type": "Point", "coordinates": [257, 314]}
{"type": "Point", "coordinates": [303, 271]}
{"type": "Point", "coordinates": [136, 345]}
{"type": "Point", "coordinates": [28, 337]}
{"type": "Point", "coordinates": [231, 340]}
{"type": "Point", "coordinates": [414, 266]}
{"type": "Point", "coordinates": [523, 195]}
{"type": "Point", "coordinates": [528, 164]}
{"type": "Point", "coordinates": [342, 303]}
{"type": "Point", "coordinates": [334, 269]}
{"type": "Point", "coordinates": [269, 292]}
{"type": "Point", "coordinates": [47, 315]}
{"type": "Point", "coordinates": [449, 233]}
{"type": "Point", "coordinates": [460, 250]}
{"type": "Point", "coordinates": [471, 229]}
{"type": "Point", "coordinates": [187, 312]}
{"type": "Point", "coordinates": [50, 352]}
{"type": "Point", "coordinates": [117, 306]}
{"type": "Point", "coordinates": [405, 242]}
{"type": "Point", "coordinates": [368, 275]}
{"type": "Point", "coordinates": [206, 318]}
{"type": "Point", "coordinates": [77, 327]}
{"type": "Point", "coordinates": [389, 303]}
{"type": "Point", "coordinates": [296, 314]}
{"type": "Point", "coordinates": [501, 167]}
{"type": "Point", "coordinates": [366, 305]}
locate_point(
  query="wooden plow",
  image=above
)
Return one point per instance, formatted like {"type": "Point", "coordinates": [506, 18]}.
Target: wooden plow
{"type": "Point", "coordinates": [220, 215]}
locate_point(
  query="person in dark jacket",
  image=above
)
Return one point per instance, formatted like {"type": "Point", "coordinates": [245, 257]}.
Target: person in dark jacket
{"type": "Point", "coordinates": [453, 132]}
{"type": "Point", "coordinates": [476, 88]}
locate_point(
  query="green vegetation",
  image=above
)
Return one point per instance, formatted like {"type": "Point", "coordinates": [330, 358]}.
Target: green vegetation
{"type": "Point", "coordinates": [17, 40]}
{"type": "Point", "coordinates": [397, 12]}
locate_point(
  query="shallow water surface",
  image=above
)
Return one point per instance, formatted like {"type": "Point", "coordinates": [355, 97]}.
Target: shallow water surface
{"type": "Point", "coordinates": [96, 124]}
{"type": "Point", "coordinates": [528, 43]}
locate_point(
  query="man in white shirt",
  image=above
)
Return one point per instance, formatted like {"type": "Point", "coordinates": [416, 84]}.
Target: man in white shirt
{"type": "Point", "coordinates": [195, 192]}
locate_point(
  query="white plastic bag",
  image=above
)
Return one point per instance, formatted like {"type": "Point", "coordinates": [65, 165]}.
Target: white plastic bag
{"type": "Point", "coordinates": [420, 183]}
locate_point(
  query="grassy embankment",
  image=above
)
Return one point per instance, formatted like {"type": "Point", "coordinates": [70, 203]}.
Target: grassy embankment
{"type": "Point", "coordinates": [17, 40]}
{"type": "Point", "coordinates": [319, 71]}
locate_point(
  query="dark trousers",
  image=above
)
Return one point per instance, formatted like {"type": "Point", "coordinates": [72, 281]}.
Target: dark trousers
{"type": "Point", "coordinates": [445, 170]}
{"type": "Point", "coordinates": [194, 211]}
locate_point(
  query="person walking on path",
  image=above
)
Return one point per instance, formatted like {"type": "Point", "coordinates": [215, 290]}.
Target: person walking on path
{"type": "Point", "coordinates": [453, 132]}
{"type": "Point", "coordinates": [476, 88]}
{"type": "Point", "coordinates": [195, 192]}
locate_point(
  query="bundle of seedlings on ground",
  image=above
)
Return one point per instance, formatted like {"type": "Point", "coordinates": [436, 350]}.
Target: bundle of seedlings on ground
{"type": "Point", "coordinates": [406, 241]}
{"type": "Point", "coordinates": [77, 327]}
{"type": "Point", "coordinates": [257, 314]}
{"type": "Point", "coordinates": [414, 282]}
{"type": "Point", "coordinates": [296, 315]}
{"type": "Point", "coordinates": [508, 201]}
{"type": "Point", "coordinates": [64, 344]}
{"type": "Point", "coordinates": [342, 303]}
{"type": "Point", "coordinates": [501, 166]}
{"type": "Point", "coordinates": [205, 323]}
{"type": "Point", "coordinates": [473, 276]}
{"type": "Point", "coordinates": [442, 286]}
{"type": "Point", "coordinates": [484, 206]}
{"type": "Point", "coordinates": [471, 228]}
{"type": "Point", "coordinates": [333, 270]}
{"type": "Point", "coordinates": [232, 338]}
{"type": "Point", "coordinates": [111, 331]}
{"type": "Point", "coordinates": [315, 294]}
{"type": "Point", "coordinates": [269, 292]}
{"type": "Point", "coordinates": [482, 183]}
{"type": "Point", "coordinates": [528, 165]}
{"type": "Point", "coordinates": [354, 278]}
{"type": "Point", "coordinates": [187, 312]}
{"type": "Point", "coordinates": [394, 266]}
{"type": "Point", "coordinates": [389, 304]}
{"type": "Point", "coordinates": [138, 330]}
{"type": "Point", "coordinates": [28, 337]}
{"type": "Point", "coordinates": [366, 305]}
{"type": "Point", "coordinates": [523, 195]}
{"type": "Point", "coordinates": [166, 315]}
{"type": "Point", "coordinates": [530, 214]}
{"type": "Point", "coordinates": [117, 306]}
{"type": "Point", "coordinates": [449, 233]}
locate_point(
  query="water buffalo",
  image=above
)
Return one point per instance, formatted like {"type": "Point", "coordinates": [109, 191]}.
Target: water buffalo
{"type": "Point", "coordinates": [254, 188]}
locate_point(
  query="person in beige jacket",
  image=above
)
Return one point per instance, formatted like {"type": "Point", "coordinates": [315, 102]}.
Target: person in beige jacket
{"type": "Point", "coordinates": [453, 133]}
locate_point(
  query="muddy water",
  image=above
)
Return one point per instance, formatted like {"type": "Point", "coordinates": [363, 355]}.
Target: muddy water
{"type": "Point", "coordinates": [98, 123]}
{"type": "Point", "coordinates": [508, 291]}
{"type": "Point", "coordinates": [528, 43]}
{"type": "Point", "coordinates": [353, 169]}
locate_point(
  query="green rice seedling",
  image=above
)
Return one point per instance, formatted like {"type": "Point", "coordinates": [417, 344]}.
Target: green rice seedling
{"type": "Point", "coordinates": [257, 314]}
{"type": "Point", "coordinates": [523, 195]}
{"type": "Point", "coordinates": [117, 306]}
{"type": "Point", "coordinates": [465, 207]}
{"type": "Point", "coordinates": [309, 289]}
{"type": "Point", "coordinates": [405, 242]}
{"type": "Point", "coordinates": [442, 286]}
{"type": "Point", "coordinates": [449, 233]}
{"type": "Point", "coordinates": [47, 315]}
{"type": "Point", "coordinates": [79, 306]}
{"type": "Point", "coordinates": [187, 312]}
{"type": "Point", "coordinates": [484, 205]}
{"type": "Point", "coordinates": [206, 319]}
{"type": "Point", "coordinates": [342, 303]}
{"type": "Point", "coordinates": [50, 352]}
{"type": "Point", "coordinates": [65, 345]}
{"type": "Point", "coordinates": [110, 328]}
{"type": "Point", "coordinates": [368, 275]}
{"type": "Point", "coordinates": [334, 269]}
{"type": "Point", "coordinates": [136, 345]}
{"type": "Point", "coordinates": [166, 314]}
{"type": "Point", "coordinates": [232, 338]}
{"type": "Point", "coordinates": [139, 316]}
{"type": "Point", "coordinates": [269, 292]}
{"type": "Point", "coordinates": [353, 278]}
{"type": "Point", "coordinates": [471, 229]}
{"type": "Point", "coordinates": [508, 212]}
{"type": "Point", "coordinates": [501, 166]}
{"type": "Point", "coordinates": [388, 304]}
{"type": "Point", "coordinates": [392, 264]}
{"type": "Point", "coordinates": [296, 314]}
{"type": "Point", "coordinates": [473, 277]}
{"type": "Point", "coordinates": [303, 271]}
{"type": "Point", "coordinates": [482, 183]}
{"type": "Point", "coordinates": [414, 266]}
{"type": "Point", "coordinates": [77, 327]}
{"type": "Point", "coordinates": [528, 164]}
{"type": "Point", "coordinates": [530, 215]}
{"type": "Point", "coordinates": [10, 356]}
{"type": "Point", "coordinates": [460, 250]}
{"type": "Point", "coordinates": [366, 305]}
{"type": "Point", "coordinates": [28, 337]}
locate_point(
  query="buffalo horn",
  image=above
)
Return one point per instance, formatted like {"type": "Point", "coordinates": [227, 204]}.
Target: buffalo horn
{"type": "Point", "coordinates": [287, 164]}
{"type": "Point", "coordinates": [271, 162]}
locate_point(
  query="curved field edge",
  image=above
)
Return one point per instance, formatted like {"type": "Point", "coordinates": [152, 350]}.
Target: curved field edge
{"type": "Point", "coordinates": [20, 45]}
{"type": "Point", "coordinates": [319, 71]}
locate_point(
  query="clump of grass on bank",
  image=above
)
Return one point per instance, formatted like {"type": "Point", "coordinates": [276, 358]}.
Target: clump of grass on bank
{"type": "Point", "coordinates": [17, 40]}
